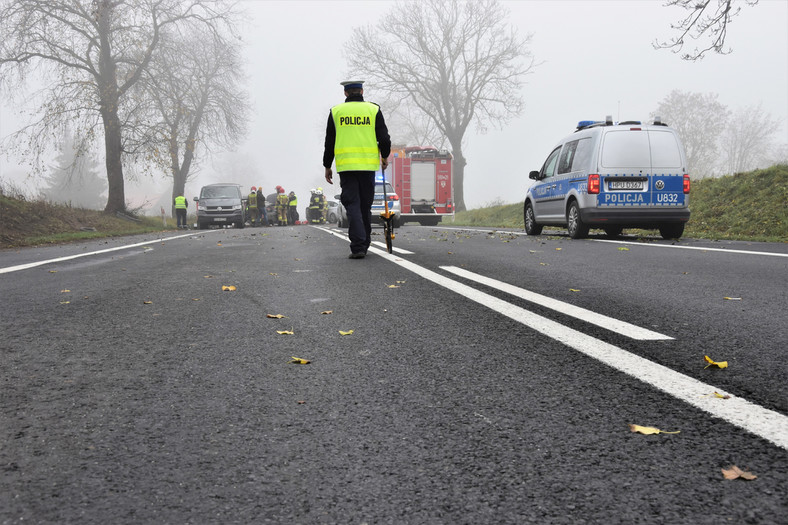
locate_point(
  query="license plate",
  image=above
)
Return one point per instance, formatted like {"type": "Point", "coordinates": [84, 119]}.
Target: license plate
{"type": "Point", "coordinates": [220, 218]}
{"type": "Point", "coordinates": [625, 184]}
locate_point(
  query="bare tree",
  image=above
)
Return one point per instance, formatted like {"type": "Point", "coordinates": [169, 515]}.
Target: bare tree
{"type": "Point", "coordinates": [193, 84]}
{"type": "Point", "coordinates": [457, 62]}
{"type": "Point", "coordinates": [748, 141]}
{"type": "Point", "coordinates": [703, 21]}
{"type": "Point", "coordinates": [700, 119]}
{"type": "Point", "coordinates": [97, 51]}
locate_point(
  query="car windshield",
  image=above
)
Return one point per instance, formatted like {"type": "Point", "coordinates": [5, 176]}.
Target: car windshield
{"type": "Point", "coordinates": [379, 188]}
{"type": "Point", "coordinates": [220, 192]}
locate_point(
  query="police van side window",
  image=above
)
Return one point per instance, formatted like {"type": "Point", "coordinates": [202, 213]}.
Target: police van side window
{"type": "Point", "coordinates": [582, 156]}
{"type": "Point", "coordinates": [548, 170]}
{"type": "Point", "coordinates": [568, 153]}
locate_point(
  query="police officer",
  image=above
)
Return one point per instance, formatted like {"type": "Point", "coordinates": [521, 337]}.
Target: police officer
{"type": "Point", "coordinates": [292, 205]}
{"type": "Point", "coordinates": [180, 211]}
{"type": "Point", "coordinates": [252, 206]}
{"type": "Point", "coordinates": [358, 139]}
{"type": "Point", "coordinates": [263, 214]}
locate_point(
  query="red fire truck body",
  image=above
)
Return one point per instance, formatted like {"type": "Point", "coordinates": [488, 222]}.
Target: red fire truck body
{"type": "Point", "coordinates": [422, 178]}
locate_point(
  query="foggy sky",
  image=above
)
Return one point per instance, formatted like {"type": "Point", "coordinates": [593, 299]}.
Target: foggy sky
{"type": "Point", "coordinates": [597, 60]}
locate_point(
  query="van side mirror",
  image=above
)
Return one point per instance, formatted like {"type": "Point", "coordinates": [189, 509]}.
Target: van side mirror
{"type": "Point", "coordinates": [534, 175]}
{"type": "Point", "coordinates": [196, 199]}
{"type": "Point", "coordinates": [337, 197]}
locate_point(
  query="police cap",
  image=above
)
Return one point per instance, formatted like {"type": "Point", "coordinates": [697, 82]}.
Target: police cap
{"type": "Point", "coordinates": [353, 84]}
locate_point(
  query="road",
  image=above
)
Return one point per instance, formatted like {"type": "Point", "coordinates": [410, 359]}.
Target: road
{"type": "Point", "coordinates": [489, 377]}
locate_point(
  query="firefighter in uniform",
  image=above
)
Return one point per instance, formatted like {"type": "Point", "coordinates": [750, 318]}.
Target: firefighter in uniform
{"type": "Point", "coordinates": [357, 138]}
{"type": "Point", "coordinates": [180, 211]}
{"type": "Point", "coordinates": [251, 206]}
{"type": "Point", "coordinates": [281, 206]}
{"type": "Point", "coordinates": [292, 204]}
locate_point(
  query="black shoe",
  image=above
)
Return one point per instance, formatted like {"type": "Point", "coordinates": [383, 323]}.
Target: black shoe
{"type": "Point", "coordinates": [359, 255]}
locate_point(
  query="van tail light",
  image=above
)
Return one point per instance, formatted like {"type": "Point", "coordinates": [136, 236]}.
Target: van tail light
{"type": "Point", "coordinates": [686, 183]}
{"type": "Point", "coordinates": [394, 197]}
{"type": "Point", "coordinates": [593, 183]}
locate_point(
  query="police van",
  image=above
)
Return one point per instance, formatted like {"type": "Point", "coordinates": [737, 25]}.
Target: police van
{"type": "Point", "coordinates": [612, 176]}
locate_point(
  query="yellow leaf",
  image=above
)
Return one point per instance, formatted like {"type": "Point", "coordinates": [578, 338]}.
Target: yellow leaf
{"type": "Point", "coordinates": [52, 271]}
{"type": "Point", "coordinates": [721, 396]}
{"type": "Point", "coordinates": [275, 316]}
{"type": "Point", "coordinates": [649, 430]}
{"type": "Point", "coordinates": [285, 332]}
{"type": "Point", "coordinates": [296, 259]}
{"type": "Point", "coordinates": [230, 288]}
{"type": "Point", "coordinates": [299, 361]}
{"type": "Point", "coordinates": [543, 264]}
{"type": "Point", "coordinates": [623, 249]}
{"type": "Point", "coordinates": [327, 312]}
{"type": "Point", "coordinates": [345, 333]}
{"type": "Point", "coordinates": [558, 249]}
{"type": "Point", "coordinates": [721, 364]}
{"type": "Point", "coordinates": [393, 286]}
{"type": "Point", "coordinates": [272, 273]}
{"type": "Point", "coordinates": [65, 291]}
{"type": "Point", "coordinates": [147, 302]}
{"type": "Point", "coordinates": [734, 472]}
{"type": "Point", "coordinates": [195, 298]}
{"type": "Point", "coordinates": [65, 302]}
{"type": "Point", "coordinates": [401, 282]}
{"type": "Point", "coordinates": [450, 253]}
{"type": "Point", "coordinates": [732, 298]}
{"type": "Point", "coordinates": [574, 290]}
{"type": "Point", "coordinates": [208, 276]}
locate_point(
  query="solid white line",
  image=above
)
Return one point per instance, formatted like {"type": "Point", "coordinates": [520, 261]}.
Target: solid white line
{"type": "Point", "coordinates": [608, 323]}
{"type": "Point", "coordinates": [699, 248]}
{"type": "Point", "coordinates": [341, 235]}
{"type": "Point", "coordinates": [753, 418]}
{"type": "Point", "coordinates": [10, 269]}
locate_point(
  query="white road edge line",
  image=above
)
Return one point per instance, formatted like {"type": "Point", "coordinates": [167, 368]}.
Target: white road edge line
{"type": "Point", "coordinates": [603, 321]}
{"type": "Point", "coordinates": [86, 254]}
{"type": "Point", "coordinates": [768, 424]}
{"type": "Point", "coordinates": [631, 243]}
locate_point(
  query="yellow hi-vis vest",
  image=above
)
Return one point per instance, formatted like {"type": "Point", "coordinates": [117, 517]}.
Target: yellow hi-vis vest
{"type": "Point", "coordinates": [356, 146]}
{"type": "Point", "coordinates": [180, 202]}
{"type": "Point", "coordinates": [294, 200]}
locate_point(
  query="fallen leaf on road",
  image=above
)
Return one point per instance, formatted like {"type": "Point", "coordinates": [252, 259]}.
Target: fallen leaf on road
{"type": "Point", "coordinates": [285, 332]}
{"type": "Point", "coordinates": [732, 298]}
{"type": "Point", "coordinates": [195, 298]}
{"type": "Point", "coordinates": [208, 276]}
{"type": "Point", "coordinates": [623, 249]}
{"type": "Point", "coordinates": [574, 290]}
{"type": "Point", "coordinates": [275, 316]}
{"type": "Point", "coordinates": [400, 282]}
{"type": "Point", "coordinates": [327, 312]}
{"type": "Point", "coordinates": [721, 364]}
{"type": "Point", "coordinates": [393, 286]}
{"type": "Point", "coordinates": [348, 332]}
{"type": "Point", "coordinates": [65, 291]}
{"type": "Point", "coordinates": [52, 271]}
{"type": "Point", "coordinates": [230, 288]}
{"type": "Point", "coordinates": [558, 249]}
{"type": "Point", "coordinates": [272, 273]}
{"type": "Point", "coordinates": [147, 302]}
{"type": "Point", "coordinates": [649, 430]}
{"type": "Point", "coordinates": [734, 472]}
{"type": "Point", "coordinates": [65, 302]}
{"type": "Point", "coordinates": [299, 361]}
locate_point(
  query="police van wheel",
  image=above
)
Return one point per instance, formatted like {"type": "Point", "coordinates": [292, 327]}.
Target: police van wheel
{"type": "Point", "coordinates": [577, 228]}
{"type": "Point", "coordinates": [671, 231]}
{"type": "Point", "coordinates": [531, 227]}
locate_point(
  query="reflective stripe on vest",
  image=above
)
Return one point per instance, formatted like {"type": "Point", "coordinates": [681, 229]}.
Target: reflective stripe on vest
{"type": "Point", "coordinates": [356, 146]}
{"type": "Point", "coordinates": [180, 202]}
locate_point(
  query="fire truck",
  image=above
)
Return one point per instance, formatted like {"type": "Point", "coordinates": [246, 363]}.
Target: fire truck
{"type": "Point", "coordinates": [422, 178]}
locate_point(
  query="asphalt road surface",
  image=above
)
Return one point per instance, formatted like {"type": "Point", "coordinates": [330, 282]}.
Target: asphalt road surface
{"type": "Point", "coordinates": [489, 377]}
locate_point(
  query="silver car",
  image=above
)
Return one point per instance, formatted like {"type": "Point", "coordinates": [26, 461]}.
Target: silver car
{"type": "Point", "coordinates": [377, 206]}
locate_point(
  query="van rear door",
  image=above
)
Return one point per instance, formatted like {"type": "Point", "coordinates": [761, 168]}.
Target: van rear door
{"type": "Point", "coordinates": [666, 183]}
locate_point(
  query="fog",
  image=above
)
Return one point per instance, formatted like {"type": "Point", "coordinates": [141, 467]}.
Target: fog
{"type": "Point", "coordinates": [595, 59]}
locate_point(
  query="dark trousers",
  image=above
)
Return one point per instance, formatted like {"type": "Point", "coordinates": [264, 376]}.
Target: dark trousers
{"type": "Point", "coordinates": [180, 215]}
{"type": "Point", "coordinates": [358, 192]}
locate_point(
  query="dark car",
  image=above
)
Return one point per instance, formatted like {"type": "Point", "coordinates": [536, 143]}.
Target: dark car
{"type": "Point", "coordinates": [221, 205]}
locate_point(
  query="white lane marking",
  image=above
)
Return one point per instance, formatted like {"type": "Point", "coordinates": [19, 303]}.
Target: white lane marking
{"type": "Point", "coordinates": [342, 235]}
{"type": "Point", "coordinates": [631, 243]}
{"type": "Point", "coordinates": [609, 323]}
{"type": "Point", "coordinates": [753, 418]}
{"type": "Point", "coordinates": [10, 269]}
{"type": "Point", "coordinates": [731, 251]}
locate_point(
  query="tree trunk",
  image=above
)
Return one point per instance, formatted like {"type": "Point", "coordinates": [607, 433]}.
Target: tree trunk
{"type": "Point", "coordinates": [458, 169]}
{"type": "Point", "coordinates": [116, 197]}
